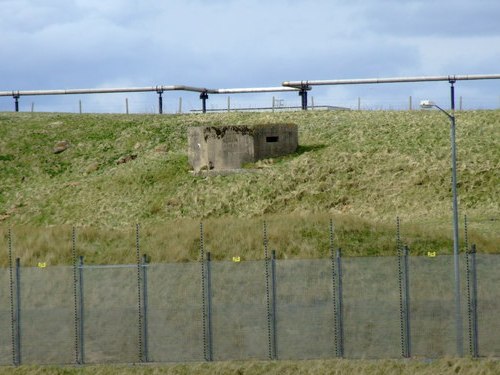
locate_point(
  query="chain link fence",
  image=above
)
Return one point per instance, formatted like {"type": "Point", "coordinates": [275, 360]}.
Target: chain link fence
{"type": "Point", "coordinates": [353, 307]}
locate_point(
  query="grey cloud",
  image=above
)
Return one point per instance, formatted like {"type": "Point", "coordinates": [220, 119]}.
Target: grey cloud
{"type": "Point", "coordinates": [238, 43]}
{"type": "Point", "coordinates": [434, 18]}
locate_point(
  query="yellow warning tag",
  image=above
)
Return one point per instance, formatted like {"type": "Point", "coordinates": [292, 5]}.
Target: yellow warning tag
{"type": "Point", "coordinates": [431, 254]}
{"type": "Point", "coordinates": [42, 264]}
{"type": "Point", "coordinates": [236, 259]}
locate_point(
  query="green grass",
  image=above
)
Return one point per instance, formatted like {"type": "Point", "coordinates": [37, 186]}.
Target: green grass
{"type": "Point", "coordinates": [361, 168]}
{"type": "Point", "coordinates": [344, 367]}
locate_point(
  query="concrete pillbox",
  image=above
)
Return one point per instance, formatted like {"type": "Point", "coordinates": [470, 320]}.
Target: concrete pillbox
{"type": "Point", "coordinates": [229, 147]}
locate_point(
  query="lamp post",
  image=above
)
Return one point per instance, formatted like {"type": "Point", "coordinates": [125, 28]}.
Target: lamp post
{"type": "Point", "coordinates": [458, 310]}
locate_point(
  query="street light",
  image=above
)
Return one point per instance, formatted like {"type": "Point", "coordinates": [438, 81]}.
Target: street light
{"type": "Point", "coordinates": [458, 310]}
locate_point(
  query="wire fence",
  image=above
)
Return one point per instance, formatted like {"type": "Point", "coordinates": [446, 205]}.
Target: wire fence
{"type": "Point", "coordinates": [192, 104]}
{"type": "Point", "coordinates": [352, 307]}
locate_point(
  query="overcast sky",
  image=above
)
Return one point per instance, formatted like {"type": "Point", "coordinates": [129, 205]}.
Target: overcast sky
{"type": "Point", "coordinates": [61, 44]}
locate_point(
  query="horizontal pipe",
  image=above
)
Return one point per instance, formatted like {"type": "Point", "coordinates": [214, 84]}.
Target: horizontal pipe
{"type": "Point", "coordinates": [255, 90]}
{"type": "Point", "coordinates": [286, 86]}
{"type": "Point", "coordinates": [105, 90]}
{"type": "Point", "coordinates": [76, 91]}
{"type": "Point", "coordinates": [299, 84]}
{"type": "Point", "coordinates": [146, 89]}
{"type": "Point", "coordinates": [190, 88]}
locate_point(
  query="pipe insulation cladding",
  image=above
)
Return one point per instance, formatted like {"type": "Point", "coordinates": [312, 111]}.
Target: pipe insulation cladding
{"type": "Point", "coordinates": [158, 89]}
{"type": "Point", "coordinates": [449, 78]}
{"type": "Point", "coordinates": [106, 90]}
{"type": "Point", "coordinates": [286, 86]}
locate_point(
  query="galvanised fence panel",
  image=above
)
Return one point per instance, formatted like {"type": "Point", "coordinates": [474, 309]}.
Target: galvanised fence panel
{"type": "Point", "coordinates": [304, 309]}
{"type": "Point", "coordinates": [288, 309]}
{"type": "Point", "coordinates": [371, 308]}
{"type": "Point", "coordinates": [47, 315]}
{"type": "Point", "coordinates": [174, 312]}
{"type": "Point", "coordinates": [5, 319]}
{"type": "Point", "coordinates": [110, 314]}
{"type": "Point", "coordinates": [488, 304]}
{"type": "Point", "coordinates": [432, 302]}
{"type": "Point", "coordinates": [239, 311]}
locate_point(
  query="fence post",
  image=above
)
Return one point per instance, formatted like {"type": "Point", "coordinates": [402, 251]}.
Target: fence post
{"type": "Point", "coordinates": [139, 294]}
{"type": "Point", "coordinates": [469, 300]}
{"type": "Point", "coordinates": [80, 311]}
{"type": "Point", "coordinates": [404, 295]}
{"type": "Point", "coordinates": [475, 336]}
{"type": "Point", "coordinates": [18, 311]}
{"type": "Point", "coordinates": [472, 301]}
{"type": "Point", "coordinates": [145, 307]}
{"type": "Point", "coordinates": [126, 106]}
{"type": "Point", "coordinates": [229, 104]}
{"type": "Point", "coordinates": [334, 293]}
{"type": "Point", "coordinates": [203, 294]}
{"type": "Point", "coordinates": [80, 106]}
{"type": "Point", "coordinates": [401, 298]}
{"type": "Point", "coordinates": [340, 304]}
{"type": "Point", "coordinates": [270, 266]}
{"type": "Point", "coordinates": [13, 319]}
{"type": "Point", "coordinates": [209, 307]}
{"type": "Point", "coordinates": [75, 294]}
{"type": "Point", "coordinates": [268, 296]}
{"type": "Point", "coordinates": [274, 300]}
{"type": "Point", "coordinates": [406, 270]}
{"type": "Point", "coordinates": [206, 298]}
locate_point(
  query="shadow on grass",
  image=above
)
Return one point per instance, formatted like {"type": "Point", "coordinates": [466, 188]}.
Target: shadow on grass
{"type": "Point", "coordinates": [308, 148]}
{"type": "Point", "coordinates": [302, 149]}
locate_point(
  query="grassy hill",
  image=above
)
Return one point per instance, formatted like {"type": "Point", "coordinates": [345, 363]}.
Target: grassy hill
{"type": "Point", "coordinates": [360, 168]}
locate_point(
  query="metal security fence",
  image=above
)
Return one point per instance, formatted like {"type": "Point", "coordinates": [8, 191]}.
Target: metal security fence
{"type": "Point", "coordinates": [353, 307]}
{"type": "Point", "coordinates": [488, 307]}
{"type": "Point", "coordinates": [186, 105]}
{"type": "Point", "coordinates": [174, 313]}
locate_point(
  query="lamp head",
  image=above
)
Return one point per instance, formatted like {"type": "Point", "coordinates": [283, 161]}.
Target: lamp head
{"type": "Point", "coordinates": [427, 104]}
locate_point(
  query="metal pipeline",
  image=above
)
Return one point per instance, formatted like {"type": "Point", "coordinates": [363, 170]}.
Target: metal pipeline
{"type": "Point", "coordinates": [255, 90]}
{"type": "Point", "coordinates": [19, 93]}
{"type": "Point", "coordinates": [299, 84]}
{"type": "Point", "coordinates": [158, 89]}
{"type": "Point", "coordinates": [286, 86]}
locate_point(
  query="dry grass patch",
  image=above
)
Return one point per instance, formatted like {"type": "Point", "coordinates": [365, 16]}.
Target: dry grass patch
{"type": "Point", "coordinates": [333, 367]}
{"type": "Point", "coordinates": [352, 165]}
